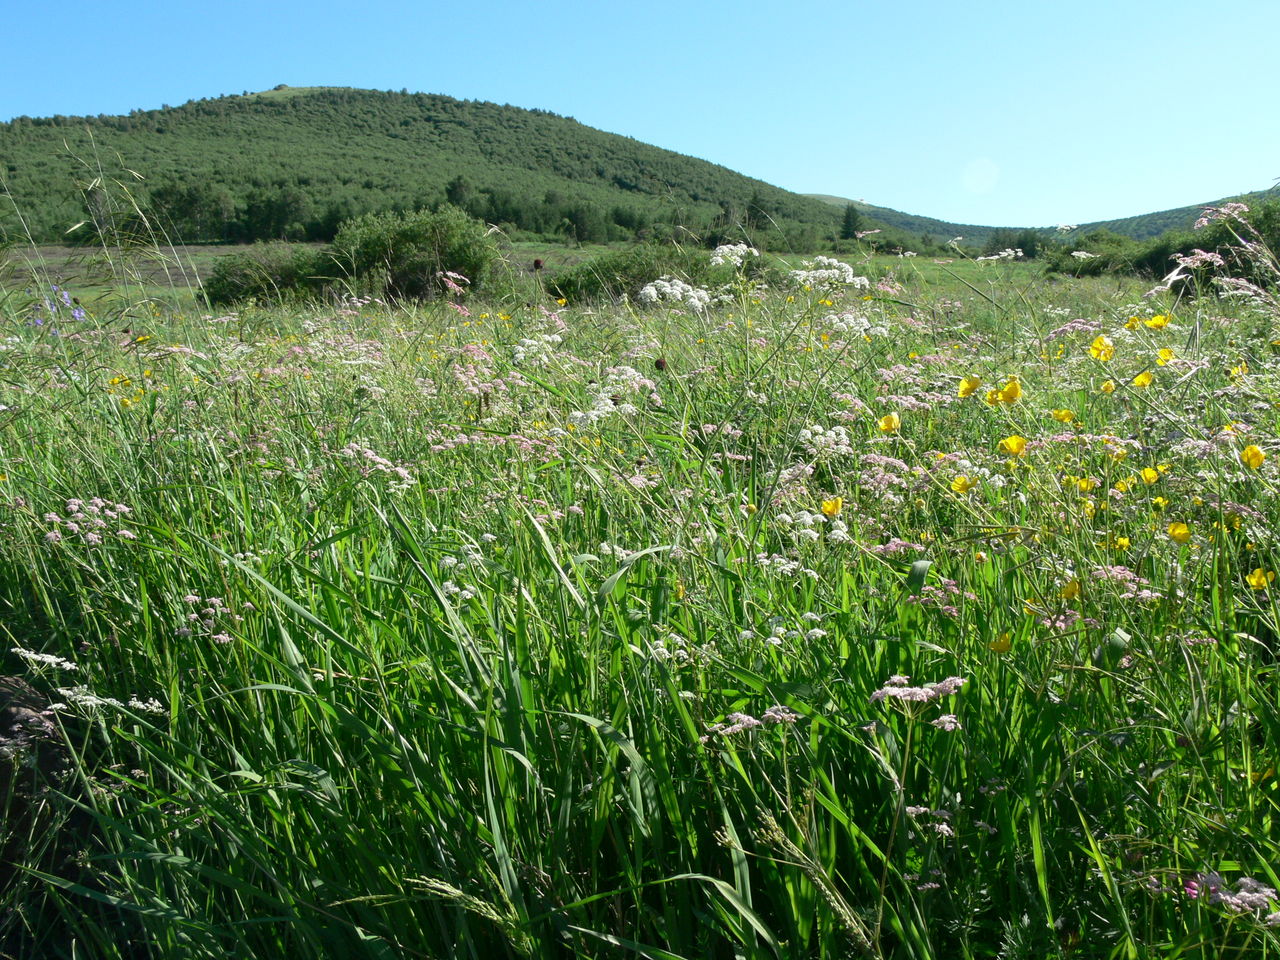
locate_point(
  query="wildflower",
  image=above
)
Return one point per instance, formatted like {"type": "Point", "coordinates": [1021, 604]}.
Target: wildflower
{"type": "Point", "coordinates": [1143, 380]}
{"type": "Point", "coordinates": [897, 688]}
{"type": "Point", "coordinates": [1252, 457]}
{"type": "Point", "coordinates": [889, 423]}
{"type": "Point", "coordinates": [969, 386]}
{"type": "Point", "coordinates": [1179, 532]}
{"type": "Point", "coordinates": [1015, 445]}
{"type": "Point", "coordinates": [1002, 643]}
{"type": "Point", "coordinates": [1164, 356]}
{"type": "Point", "coordinates": [992, 397]}
{"type": "Point", "coordinates": [1102, 349]}
{"type": "Point", "coordinates": [1150, 475]}
{"type": "Point", "coordinates": [1108, 386]}
{"type": "Point", "coordinates": [948, 723]}
{"type": "Point", "coordinates": [1011, 391]}
{"type": "Point", "coordinates": [1070, 591]}
{"type": "Point", "coordinates": [963, 484]}
{"type": "Point", "coordinates": [1260, 579]}
{"type": "Point", "coordinates": [1158, 322]}
{"type": "Point", "coordinates": [1063, 416]}
{"type": "Point", "coordinates": [832, 507]}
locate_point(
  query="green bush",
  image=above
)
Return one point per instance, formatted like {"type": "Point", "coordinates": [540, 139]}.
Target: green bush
{"type": "Point", "coordinates": [622, 273]}
{"type": "Point", "coordinates": [270, 272]}
{"type": "Point", "coordinates": [407, 254]}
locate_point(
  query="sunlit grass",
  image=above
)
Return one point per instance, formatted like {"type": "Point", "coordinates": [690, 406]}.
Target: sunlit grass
{"type": "Point", "coordinates": [849, 620]}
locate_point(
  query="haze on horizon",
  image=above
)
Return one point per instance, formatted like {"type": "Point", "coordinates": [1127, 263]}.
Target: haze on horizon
{"type": "Point", "coordinates": [993, 113]}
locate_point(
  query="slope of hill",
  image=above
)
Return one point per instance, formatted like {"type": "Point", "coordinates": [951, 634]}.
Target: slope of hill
{"type": "Point", "coordinates": [1149, 225]}
{"type": "Point", "coordinates": [1141, 227]}
{"type": "Point", "coordinates": [293, 162]}
{"type": "Point", "coordinates": [940, 231]}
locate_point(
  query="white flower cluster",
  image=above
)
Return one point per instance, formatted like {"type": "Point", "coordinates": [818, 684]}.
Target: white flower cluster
{"type": "Point", "coordinates": [369, 462]}
{"type": "Point", "coordinates": [85, 698]}
{"type": "Point", "coordinates": [782, 566]}
{"type": "Point", "coordinates": [807, 527]}
{"type": "Point", "coordinates": [37, 659]}
{"type": "Point", "coordinates": [675, 290]}
{"type": "Point", "coordinates": [535, 350]}
{"type": "Point", "coordinates": [1009, 253]}
{"type": "Point", "coordinates": [828, 272]}
{"type": "Point", "coordinates": [854, 324]}
{"type": "Point", "coordinates": [825, 444]}
{"type": "Point", "coordinates": [1083, 254]}
{"type": "Point", "coordinates": [610, 393]}
{"type": "Point", "coordinates": [734, 253]}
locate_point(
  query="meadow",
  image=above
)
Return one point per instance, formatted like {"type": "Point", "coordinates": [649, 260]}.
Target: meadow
{"type": "Point", "coordinates": [888, 608]}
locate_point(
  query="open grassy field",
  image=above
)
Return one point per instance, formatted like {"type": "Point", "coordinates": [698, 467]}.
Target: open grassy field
{"type": "Point", "coordinates": [911, 610]}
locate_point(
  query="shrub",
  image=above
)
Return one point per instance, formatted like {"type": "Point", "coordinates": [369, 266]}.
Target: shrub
{"type": "Point", "coordinates": [269, 271]}
{"type": "Point", "coordinates": [622, 273]}
{"type": "Point", "coordinates": [406, 254]}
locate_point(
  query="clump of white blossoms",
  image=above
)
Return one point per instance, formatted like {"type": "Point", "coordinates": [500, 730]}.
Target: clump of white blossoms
{"type": "Point", "coordinates": [734, 253]}
{"type": "Point", "coordinates": [535, 351]}
{"type": "Point", "coordinates": [828, 272]}
{"type": "Point", "coordinates": [825, 443]}
{"type": "Point", "coordinates": [1009, 253]}
{"type": "Point", "coordinates": [853, 323]}
{"type": "Point", "coordinates": [675, 290]}
{"type": "Point", "coordinates": [610, 396]}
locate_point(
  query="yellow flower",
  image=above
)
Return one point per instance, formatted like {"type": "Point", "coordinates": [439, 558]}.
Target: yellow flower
{"type": "Point", "coordinates": [1159, 502]}
{"type": "Point", "coordinates": [1260, 579]}
{"type": "Point", "coordinates": [1014, 446]}
{"type": "Point", "coordinates": [889, 423]}
{"type": "Point", "coordinates": [1108, 386]}
{"type": "Point", "coordinates": [1164, 356]}
{"type": "Point", "coordinates": [1070, 590]}
{"type": "Point", "coordinates": [1063, 416]}
{"type": "Point", "coordinates": [1132, 323]}
{"type": "Point", "coordinates": [1102, 349]}
{"type": "Point", "coordinates": [963, 484]}
{"type": "Point", "coordinates": [1252, 457]}
{"type": "Point", "coordinates": [968, 386]}
{"type": "Point", "coordinates": [1011, 391]}
{"type": "Point", "coordinates": [1120, 543]}
{"type": "Point", "coordinates": [1235, 373]}
{"type": "Point", "coordinates": [832, 507]}
{"type": "Point", "coordinates": [1150, 475]}
{"type": "Point", "coordinates": [1179, 532]}
{"type": "Point", "coordinates": [1158, 322]}
{"type": "Point", "coordinates": [1001, 644]}
{"type": "Point", "coordinates": [992, 397]}
{"type": "Point", "coordinates": [1143, 380]}
{"type": "Point", "coordinates": [1085, 484]}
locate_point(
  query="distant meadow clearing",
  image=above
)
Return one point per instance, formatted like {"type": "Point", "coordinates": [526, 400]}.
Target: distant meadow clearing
{"type": "Point", "coordinates": [882, 609]}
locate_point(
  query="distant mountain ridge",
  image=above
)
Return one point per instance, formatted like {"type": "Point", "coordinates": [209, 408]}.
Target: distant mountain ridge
{"type": "Point", "coordinates": [1141, 227]}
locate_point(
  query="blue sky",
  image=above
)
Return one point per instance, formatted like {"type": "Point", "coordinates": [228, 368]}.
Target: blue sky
{"type": "Point", "coordinates": [1010, 113]}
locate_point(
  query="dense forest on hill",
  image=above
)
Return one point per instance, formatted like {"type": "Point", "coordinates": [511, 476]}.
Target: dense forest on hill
{"type": "Point", "coordinates": [294, 163]}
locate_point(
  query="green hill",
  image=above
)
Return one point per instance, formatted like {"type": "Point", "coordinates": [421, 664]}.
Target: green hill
{"type": "Point", "coordinates": [940, 231]}
{"type": "Point", "coordinates": [294, 162]}
{"type": "Point", "coordinates": [1150, 225]}
{"type": "Point", "coordinates": [1142, 227]}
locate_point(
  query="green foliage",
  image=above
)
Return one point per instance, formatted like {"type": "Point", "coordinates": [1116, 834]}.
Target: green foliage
{"type": "Point", "coordinates": [294, 163]}
{"type": "Point", "coordinates": [408, 254]}
{"type": "Point", "coordinates": [621, 273]}
{"type": "Point", "coordinates": [269, 272]}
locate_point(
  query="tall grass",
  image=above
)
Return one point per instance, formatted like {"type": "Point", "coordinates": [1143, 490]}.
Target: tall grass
{"type": "Point", "coordinates": [556, 630]}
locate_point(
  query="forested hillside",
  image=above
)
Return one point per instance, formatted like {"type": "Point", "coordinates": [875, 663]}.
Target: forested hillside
{"type": "Point", "coordinates": [293, 163]}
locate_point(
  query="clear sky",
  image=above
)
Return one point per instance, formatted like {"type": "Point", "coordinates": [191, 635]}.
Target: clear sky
{"type": "Point", "coordinates": [1009, 113]}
